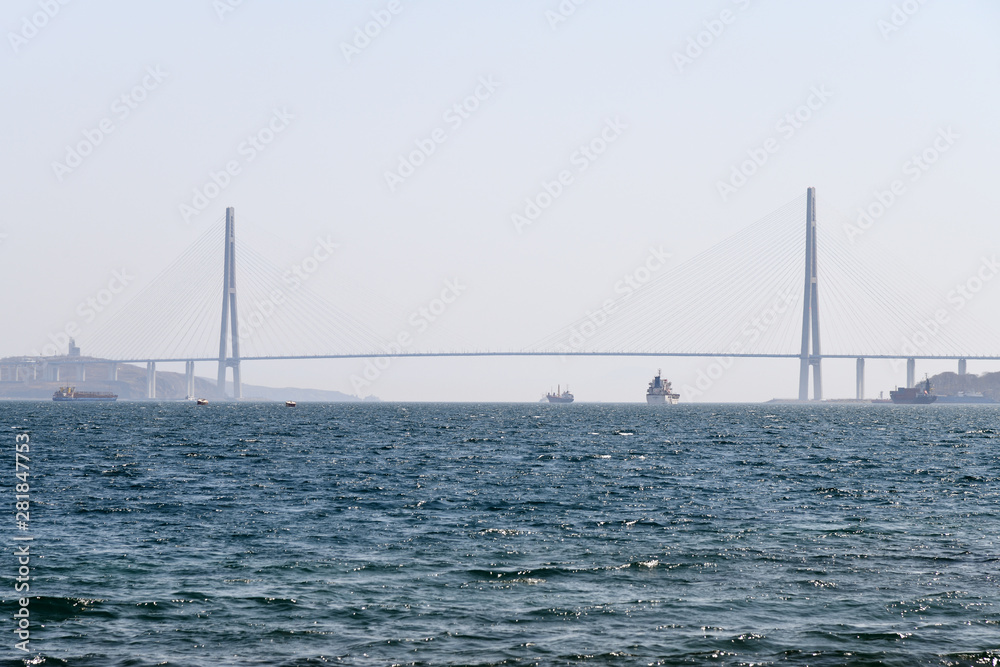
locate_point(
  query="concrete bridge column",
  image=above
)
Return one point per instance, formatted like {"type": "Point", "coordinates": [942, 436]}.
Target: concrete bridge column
{"type": "Point", "coordinates": [861, 378]}
{"type": "Point", "coordinates": [112, 372]}
{"type": "Point", "coordinates": [189, 377]}
{"type": "Point", "coordinates": [911, 371]}
{"type": "Point", "coordinates": [961, 367]}
{"type": "Point", "coordinates": [150, 379]}
{"type": "Point", "coordinates": [81, 373]}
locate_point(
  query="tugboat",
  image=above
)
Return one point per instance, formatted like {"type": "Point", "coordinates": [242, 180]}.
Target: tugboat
{"type": "Point", "coordinates": [920, 395]}
{"type": "Point", "coordinates": [71, 394]}
{"type": "Point", "coordinates": [659, 391]}
{"type": "Point", "coordinates": [564, 397]}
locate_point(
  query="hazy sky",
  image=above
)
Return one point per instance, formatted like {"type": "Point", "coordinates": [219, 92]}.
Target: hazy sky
{"type": "Point", "coordinates": [122, 119]}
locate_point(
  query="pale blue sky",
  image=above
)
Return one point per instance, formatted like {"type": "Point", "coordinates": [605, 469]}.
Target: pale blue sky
{"type": "Point", "coordinates": [556, 87]}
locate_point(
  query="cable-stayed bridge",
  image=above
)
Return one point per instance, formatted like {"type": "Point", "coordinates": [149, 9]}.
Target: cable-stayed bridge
{"type": "Point", "coordinates": [756, 294]}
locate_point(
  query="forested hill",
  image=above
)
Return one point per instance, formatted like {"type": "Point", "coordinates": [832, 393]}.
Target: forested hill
{"type": "Point", "coordinates": [987, 384]}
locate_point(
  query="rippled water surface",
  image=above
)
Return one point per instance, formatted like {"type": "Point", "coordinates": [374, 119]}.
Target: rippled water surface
{"type": "Point", "coordinates": [253, 534]}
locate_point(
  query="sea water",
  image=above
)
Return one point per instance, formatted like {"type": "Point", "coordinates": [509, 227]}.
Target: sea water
{"type": "Point", "coordinates": [515, 534]}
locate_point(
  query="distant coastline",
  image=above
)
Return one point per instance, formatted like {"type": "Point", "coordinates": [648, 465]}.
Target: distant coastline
{"type": "Point", "coordinates": [130, 385]}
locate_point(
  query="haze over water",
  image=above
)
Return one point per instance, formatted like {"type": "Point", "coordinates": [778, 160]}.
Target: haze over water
{"type": "Point", "coordinates": [487, 534]}
{"type": "Point", "coordinates": [624, 132]}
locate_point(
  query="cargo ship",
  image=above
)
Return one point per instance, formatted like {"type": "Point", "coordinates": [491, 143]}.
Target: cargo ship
{"type": "Point", "coordinates": [919, 395]}
{"type": "Point", "coordinates": [564, 397]}
{"type": "Point", "coordinates": [71, 394]}
{"type": "Point", "coordinates": [659, 392]}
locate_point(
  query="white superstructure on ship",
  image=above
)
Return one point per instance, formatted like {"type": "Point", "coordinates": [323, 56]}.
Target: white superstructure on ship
{"type": "Point", "coordinates": [659, 392]}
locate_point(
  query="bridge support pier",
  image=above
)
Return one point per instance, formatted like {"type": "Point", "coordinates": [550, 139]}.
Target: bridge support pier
{"type": "Point", "coordinates": [861, 379]}
{"type": "Point", "coordinates": [112, 372]}
{"type": "Point", "coordinates": [810, 311]}
{"type": "Point", "coordinates": [237, 382]}
{"type": "Point", "coordinates": [230, 320]}
{"type": "Point", "coordinates": [961, 367]}
{"type": "Point", "coordinates": [911, 372]}
{"type": "Point", "coordinates": [189, 377]}
{"type": "Point", "coordinates": [150, 379]}
{"type": "Point", "coordinates": [81, 373]}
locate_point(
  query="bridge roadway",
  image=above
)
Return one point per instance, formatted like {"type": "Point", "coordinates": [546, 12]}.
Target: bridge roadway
{"type": "Point", "coordinates": [724, 355]}
{"type": "Point", "coordinates": [54, 364]}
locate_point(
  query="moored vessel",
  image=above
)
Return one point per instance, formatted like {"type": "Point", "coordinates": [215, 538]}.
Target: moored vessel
{"type": "Point", "coordinates": [659, 392]}
{"type": "Point", "coordinates": [919, 395]}
{"type": "Point", "coordinates": [560, 397]}
{"type": "Point", "coordinates": [71, 394]}
{"type": "Point", "coordinates": [965, 397]}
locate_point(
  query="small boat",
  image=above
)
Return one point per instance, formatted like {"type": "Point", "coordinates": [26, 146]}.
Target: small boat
{"type": "Point", "coordinates": [881, 398]}
{"type": "Point", "coordinates": [202, 401]}
{"type": "Point", "coordinates": [289, 404]}
{"type": "Point", "coordinates": [563, 397]}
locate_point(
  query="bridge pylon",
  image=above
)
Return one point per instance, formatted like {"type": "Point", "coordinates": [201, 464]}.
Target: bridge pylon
{"type": "Point", "coordinates": [230, 319]}
{"type": "Point", "coordinates": [810, 311]}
